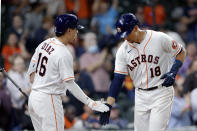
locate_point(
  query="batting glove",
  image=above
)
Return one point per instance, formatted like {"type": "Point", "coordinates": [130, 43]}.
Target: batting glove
{"type": "Point", "coordinates": [170, 76]}
{"type": "Point", "coordinates": [104, 117]}
{"type": "Point", "coordinates": [169, 79]}
{"type": "Point", "coordinates": [98, 106]}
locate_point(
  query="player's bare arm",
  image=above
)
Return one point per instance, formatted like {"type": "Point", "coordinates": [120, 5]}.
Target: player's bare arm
{"type": "Point", "coordinates": [115, 88]}
{"type": "Point", "coordinates": [181, 55]}
{"type": "Point", "coordinates": [111, 100]}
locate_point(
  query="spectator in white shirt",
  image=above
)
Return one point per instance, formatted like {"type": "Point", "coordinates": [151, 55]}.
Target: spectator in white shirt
{"type": "Point", "coordinates": [18, 74]}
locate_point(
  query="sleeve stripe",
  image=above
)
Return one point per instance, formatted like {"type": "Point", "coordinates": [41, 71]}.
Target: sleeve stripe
{"type": "Point", "coordinates": [68, 78]}
{"type": "Point", "coordinates": [177, 51]}
{"type": "Point", "coordinates": [120, 72]}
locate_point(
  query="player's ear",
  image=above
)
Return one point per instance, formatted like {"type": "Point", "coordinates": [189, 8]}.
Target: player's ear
{"type": "Point", "coordinates": [135, 28]}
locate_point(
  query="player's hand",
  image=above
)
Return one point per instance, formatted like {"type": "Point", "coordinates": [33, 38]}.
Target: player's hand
{"type": "Point", "coordinates": [104, 117]}
{"type": "Point", "coordinates": [169, 79]}
{"type": "Point", "coordinates": [98, 106]}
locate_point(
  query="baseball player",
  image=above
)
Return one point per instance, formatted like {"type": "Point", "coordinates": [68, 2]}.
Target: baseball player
{"type": "Point", "coordinates": [51, 71]}
{"type": "Point", "coordinates": [152, 60]}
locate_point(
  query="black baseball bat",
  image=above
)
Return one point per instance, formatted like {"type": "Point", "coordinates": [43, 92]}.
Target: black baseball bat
{"type": "Point", "coordinates": [5, 74]}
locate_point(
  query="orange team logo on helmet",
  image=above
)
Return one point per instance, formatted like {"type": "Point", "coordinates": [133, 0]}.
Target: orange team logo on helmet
{"type": "Point", "coordinates": [174, 44]}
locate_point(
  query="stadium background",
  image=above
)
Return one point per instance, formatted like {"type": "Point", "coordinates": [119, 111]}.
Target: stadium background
{"type": "Point", "coordinates": [26, 23]}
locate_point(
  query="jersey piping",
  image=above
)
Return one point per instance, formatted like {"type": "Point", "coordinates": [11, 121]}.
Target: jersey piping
{"type": "Point", "coordinates": [54, 113]}
{"type": "Point", "coordinates": [145, 54]}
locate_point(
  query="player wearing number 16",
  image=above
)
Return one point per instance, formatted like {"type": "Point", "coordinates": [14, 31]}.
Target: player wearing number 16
{"type": "Point", "coordinates": [51, 72]}
{"type": "Point", "coordinates": [152, 60]}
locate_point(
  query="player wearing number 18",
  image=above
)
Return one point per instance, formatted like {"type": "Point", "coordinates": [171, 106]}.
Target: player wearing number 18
{"type": "Point", "coordinates": [152, 60]}
{"type": "Point", "coordinates": [51, 72]}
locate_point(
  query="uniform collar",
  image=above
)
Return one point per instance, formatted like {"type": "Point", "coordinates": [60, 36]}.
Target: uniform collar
{"type": "Point", "coordinates": [56, 41]}
{"type": "Point", "coordinates": [143, 41]}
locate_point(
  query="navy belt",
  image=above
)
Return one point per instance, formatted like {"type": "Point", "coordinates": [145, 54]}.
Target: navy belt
{"type": "Point", "coordinates": [149, 89]}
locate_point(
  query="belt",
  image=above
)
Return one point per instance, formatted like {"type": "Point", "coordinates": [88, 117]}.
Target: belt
{"type": "Point", "coordinates": [149, 89]}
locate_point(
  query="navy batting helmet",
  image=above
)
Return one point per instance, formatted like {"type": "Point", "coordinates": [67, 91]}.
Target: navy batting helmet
{"type": "Point", "coordinates": [65, 21]}
{"type": "Point", "coordinates": [125, 24]}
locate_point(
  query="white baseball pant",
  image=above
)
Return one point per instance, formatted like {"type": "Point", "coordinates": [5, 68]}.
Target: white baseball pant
{"type": "Point", "coordinates": [153, 108]}
{"type": "Point", "coordinates": [46, 111]}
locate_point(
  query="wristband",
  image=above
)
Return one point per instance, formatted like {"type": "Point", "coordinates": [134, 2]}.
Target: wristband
{"type": "Point", "coordinates": [175, 67]}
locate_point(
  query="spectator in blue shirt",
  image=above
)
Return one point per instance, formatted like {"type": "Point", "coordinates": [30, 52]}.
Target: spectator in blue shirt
{"type": "Point", "coordinates": [105, 16]}
{"type": "Point", "coordinates": [190, 20]}
{"type": "Point", "coordinates": [180, 115]}
{"type": "Point", "coordinates": [115, 118]}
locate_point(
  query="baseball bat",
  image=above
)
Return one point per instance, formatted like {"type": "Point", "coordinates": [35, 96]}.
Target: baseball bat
{"type": "Point", "coordinates": [5, 73]}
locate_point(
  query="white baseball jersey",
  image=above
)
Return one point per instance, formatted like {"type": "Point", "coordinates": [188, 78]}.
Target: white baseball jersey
{"type": "Point", "coordinates": [148, 61]}
{"type": "Point", "coordinates": [53, 64]}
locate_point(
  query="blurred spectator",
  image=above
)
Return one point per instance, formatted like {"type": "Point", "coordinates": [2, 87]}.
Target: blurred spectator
{"type": "Point", "coordinates": [25, 120]}
{"type": "Point", "coordinates": [92, 61]}
{"type": "Point", "coordinates": [69, 117]}
{"type": "Point", "coordinates": [18, 74]}
{"type": "Point", "coordinates": [83, 79]}
{"type": "Point", "coordinates": [159, 13]}
{"type": "Point", "coordinates": [60, 10]}
{"type": "Point", "coordinates": [104, 16]}
{"type": "Point", "coordinates": [10, 49]}
{"type": "Point", "coordinates": [190, 86]}
{"type": "Point", "coordinates": [190, 20]}
{"type": "Point", "coordinates": [194, 105]}
{"type": "Point", "coordinates": [33, 19]}
{"type": "Point", "coordinates": [191, 55]}
{"type": "Point", "coordinates": [5, 105]}
{"type": "Point", "coordinates": [44, 31]}
{"type": "Point", "coordinates": [85, 82]}
{"type": "Point", "coordinates": [191, 79]}
{"type": "Point", "coordinates": [53, 5]}
{"type": "Point", "coordinates": [139, 13]}
{"type": "Point", "coordinates": [13, 47]}
{"type": "Point", "coordinates": [180, 115]}
{"type": "Point", "coordinates": [79, 47]}
{"type": "Point", "coordinates": [1, 61]}
{"type": "Point", "coordinates": [17, 26]}
{"type": "Point", "coordinates": [115, 118]}
{"type": "Point", "coordinates": [177, 13]}
{"type": "Point", "coordinates": [90, 118]}
{"type": "Point", "coordinates": [18, 7]}
{"type": "Point", "coordinates": [168, 29]}
{"type": "Point", "coordinates": [79, 7]}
